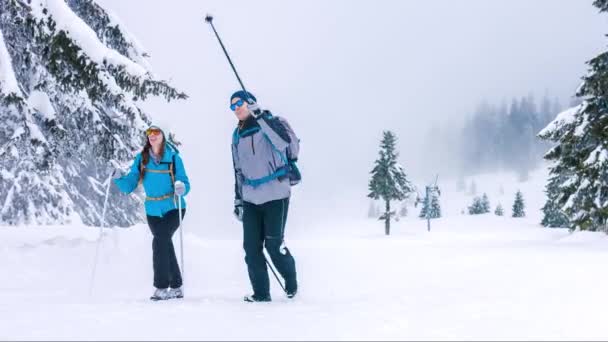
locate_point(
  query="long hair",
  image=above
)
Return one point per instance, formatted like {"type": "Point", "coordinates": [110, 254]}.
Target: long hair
{"type": "Point", "coordinates": [145, 156]}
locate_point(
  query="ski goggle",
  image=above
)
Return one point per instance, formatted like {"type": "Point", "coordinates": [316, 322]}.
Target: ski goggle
{"type": "Point", "coordinates": [153, 131]}
{"type": "Point", "coordinates": [237, 104]}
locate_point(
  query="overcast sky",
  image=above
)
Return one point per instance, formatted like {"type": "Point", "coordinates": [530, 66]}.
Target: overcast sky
{"type": "Point", "coordinates": [342, 71]}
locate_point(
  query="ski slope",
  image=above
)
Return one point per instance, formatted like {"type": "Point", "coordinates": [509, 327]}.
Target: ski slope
{"type": "Point", "coordinates": [479, 278]}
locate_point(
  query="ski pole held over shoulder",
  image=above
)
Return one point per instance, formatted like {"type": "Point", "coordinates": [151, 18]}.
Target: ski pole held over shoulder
{"type": "Point", "coordinates": [209, 20]}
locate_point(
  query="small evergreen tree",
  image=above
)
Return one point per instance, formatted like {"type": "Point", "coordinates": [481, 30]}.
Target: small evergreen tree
{"type": "Point", "coordinates": [499, 210]}
{"type": "Point", "coordinates": [432, 207]}
{"type": "Point", "coordinates": [518, 205]}
{"type": "Point", "coordinates": [485, 203]}
{"type": "Point", "coordinates": [477, 207]}
{"type": "Point", "coordinates": [389, 181]}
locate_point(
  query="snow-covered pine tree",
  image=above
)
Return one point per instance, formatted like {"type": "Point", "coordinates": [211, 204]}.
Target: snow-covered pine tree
{"type": "Point", "coordinates": [499, 210]}
{"type": "Point", "coordinates": [554, 217]}
{"type": "Point", "coordinates": [477, 207]}
{"type": "Point", "coordinates": [581, 153]}
{"type": "Point", "coordinates": [389, 181]}
{"type": "Point", "coordinates": [518, 205]}
{"type": "Point", "coordinates": [71, 78]}
{"type": "Point", "coordinates": [433, 207]}
{"type": "Point", "coordinates": [485, 204]}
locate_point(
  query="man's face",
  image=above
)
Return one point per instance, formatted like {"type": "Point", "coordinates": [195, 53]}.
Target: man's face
{"type": "Point", "coordinates": [241, 108]}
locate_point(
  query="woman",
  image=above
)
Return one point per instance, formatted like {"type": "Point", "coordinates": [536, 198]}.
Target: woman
{"type": "Point", "coordinates": [161, 171]}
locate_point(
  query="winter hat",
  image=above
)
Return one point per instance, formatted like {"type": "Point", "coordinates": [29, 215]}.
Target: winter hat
{"type": "Point", "coordinates": [243, 96]}
{"type": "Point", "coordinates": [166, 129]}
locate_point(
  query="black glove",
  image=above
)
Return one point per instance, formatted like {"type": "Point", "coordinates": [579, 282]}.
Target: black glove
{"type": "Point", "coordinates": [238, 212]}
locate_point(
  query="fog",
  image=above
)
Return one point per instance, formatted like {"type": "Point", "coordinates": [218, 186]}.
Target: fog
{"type": "Point", "coordinates": [343, 71]}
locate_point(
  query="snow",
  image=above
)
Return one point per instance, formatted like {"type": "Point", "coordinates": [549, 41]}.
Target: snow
{"type": "Point", "coordinates": [581, 128]}
{"type": "Point", "coordinates": [599, 155]}
{"type": "Point", "coordinates": [479, 277]}
{"type": "Point", "coordinates": [84, 36]}
{"type": "Point", "coordinates": [566, 117]}
{"type": "Point", "coordinates": [138, 52]}
{"type": "Point", "coordinates": [18, 132]}
{"type": "Point", "coordinates": [34, 130]}
{"type": "Point", "coordinates": [40, 101]}
{"type": "Point", "coordinates": [8, 81]}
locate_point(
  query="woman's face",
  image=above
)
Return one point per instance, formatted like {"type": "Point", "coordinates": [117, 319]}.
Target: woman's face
{"type": "Point", "coordinates": [155, 136]}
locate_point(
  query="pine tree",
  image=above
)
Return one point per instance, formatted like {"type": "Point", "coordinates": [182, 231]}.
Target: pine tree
{"type": "Point", "coordinates": [477, 208]}
{"type": "Point", "coordinates": [70, 108]}
{"type": "Point", "coordinates": [499, 210]}
{"type": "Point", "coordinates": [432, 207]}
{"type": "Point", "coordinates": [389, 181]}
{"type": "Point", "coordinates": [518, 205]}
{"type": "Point", "coordinates": [581, 153]}
{"type": "Point", "coordinates": [554, 217]}
{"type": "Point", "coordinates": [485, 204]}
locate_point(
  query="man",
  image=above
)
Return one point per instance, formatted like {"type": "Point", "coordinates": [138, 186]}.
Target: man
{"type": "Point", "coordinates": [263, 150]}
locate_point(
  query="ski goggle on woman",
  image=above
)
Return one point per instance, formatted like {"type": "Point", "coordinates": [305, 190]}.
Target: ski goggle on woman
{"type": "Point", "coordinates": [237, 104]}
{"type": "Point", "coordinates": [153, 131]}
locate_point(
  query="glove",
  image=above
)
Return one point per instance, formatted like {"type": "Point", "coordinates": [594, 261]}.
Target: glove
{"type": "Point", "coordinates": [180, 188]}
{"type": "Point", "coordinates": [255, 109]}
{"type": "Point", "coordinates": [116, 173]}
{"type": "Point", "coordinates": [238, 212]}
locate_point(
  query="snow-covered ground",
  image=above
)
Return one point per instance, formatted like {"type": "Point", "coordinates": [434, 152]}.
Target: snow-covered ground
{"type": "Point", "coordinates": [469, 278]}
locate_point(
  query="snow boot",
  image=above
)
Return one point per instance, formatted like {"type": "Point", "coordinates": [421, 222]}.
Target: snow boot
{"type": "Point", "coordinates": [160, 294]}
{"type": "Point", "coordinates": [257, 299]}
{"type": "Point", "coordinates": [176, 293]}
{"type": "Point", "coordinates": [291, 293]}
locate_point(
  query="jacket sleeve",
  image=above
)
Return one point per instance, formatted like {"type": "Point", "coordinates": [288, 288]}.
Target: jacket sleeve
{"type": "Point", "coordinates": [129, 182]}
{"type": "Point", "coordinates": [180, 173]}
{"type": "Point", "coordinates": [294, 146]}
{"type": "Point", "coordinates": [238, 177]}
{"type": "Point", "coordinates": [274, 130]}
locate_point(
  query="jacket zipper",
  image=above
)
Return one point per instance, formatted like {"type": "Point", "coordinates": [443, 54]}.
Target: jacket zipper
{"type": "Point", "coordinates": [252, 146]}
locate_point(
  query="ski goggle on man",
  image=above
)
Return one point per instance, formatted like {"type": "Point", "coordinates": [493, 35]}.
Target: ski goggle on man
{"type": "Point", "coordinates": [237, 104]}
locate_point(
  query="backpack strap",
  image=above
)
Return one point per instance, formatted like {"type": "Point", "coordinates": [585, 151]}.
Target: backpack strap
{"type": "Point", "coordinates": [170, 171]}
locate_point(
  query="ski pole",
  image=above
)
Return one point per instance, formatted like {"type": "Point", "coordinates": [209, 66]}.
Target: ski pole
{"type": "Point", "coordinates": [103, 215]}
{"type": "Point", "coordinates": [209, 20]}
{"type": "Point", "coordinates": [181, 235]}
{"type": "Point", "coordinates": [275, 274]}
